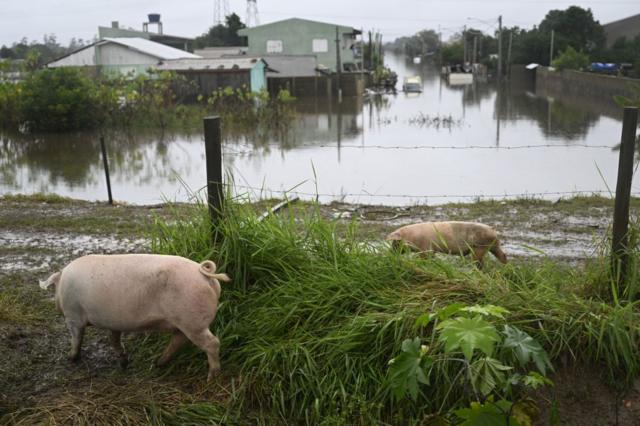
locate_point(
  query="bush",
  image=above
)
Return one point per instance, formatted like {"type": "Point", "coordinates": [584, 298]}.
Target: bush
{"type": "Point", "coordinates": [570, 59]}
{"type": "Point", "coordinates": [59, 99]}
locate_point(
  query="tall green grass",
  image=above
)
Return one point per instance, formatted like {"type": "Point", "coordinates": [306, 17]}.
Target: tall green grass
{"type": "Point", "coordinates": [313, 315]}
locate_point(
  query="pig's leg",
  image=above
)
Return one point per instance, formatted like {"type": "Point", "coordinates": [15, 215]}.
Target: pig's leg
{"type": "Point", "coordinates": [117, 346]}
{"type": "Point", "coordinates": [177, 340]}
{"type": "Point", "coordinates": [209, 343]}
{"type": "Point", "coordinates": [478, 255]}
{"type": "Point", "coordinates": [77, 332]}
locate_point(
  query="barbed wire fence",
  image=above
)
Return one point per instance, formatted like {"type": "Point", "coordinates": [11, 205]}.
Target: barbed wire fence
{"type": "Point", "coordinates": [229, 151]}
{"type": "Point", "coordinates": [264, 191]}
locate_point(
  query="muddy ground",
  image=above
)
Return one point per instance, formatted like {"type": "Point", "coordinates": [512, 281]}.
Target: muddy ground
{"type": "Point", "coordinates": [39, 235]}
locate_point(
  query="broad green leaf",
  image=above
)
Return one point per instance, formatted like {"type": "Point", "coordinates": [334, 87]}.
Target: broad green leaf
{"type": "Point", "coordinates": [535, 380]}
{"type": "Point", "coordinates": [424, 320]}
{"type": "Point", "coordinates": [487, 374]}
{"type": "Point", "coordinates": [408, 369]}
{"type": "Point", "coordinates": [468, 334]}
{"type": "Point", "coordinates": [487, 310]}
{"type": "Point", "coordinates": [487, 414]}
{"type": "Point", "coordinates": [526, 349]}
{"type": "Point", "coordinates": [449, 310]}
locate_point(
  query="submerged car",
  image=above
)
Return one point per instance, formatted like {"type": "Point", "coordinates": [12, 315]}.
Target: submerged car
{"type": "Point", "coordinates": [412, 84]}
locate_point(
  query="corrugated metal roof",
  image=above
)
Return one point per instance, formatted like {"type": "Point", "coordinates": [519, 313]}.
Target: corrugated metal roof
{"type": "Point", "coordinates": [202, 64]}
{"type": "Point", "coordinates": [219, 52]}
{"type": "Point", "coordinates": [152, 48]}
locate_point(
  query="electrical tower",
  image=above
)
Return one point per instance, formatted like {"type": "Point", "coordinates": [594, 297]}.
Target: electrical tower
{"type": "Point", "coordinates": [220, 11]}
{"type": "Point", "coordinates": [252, 13]}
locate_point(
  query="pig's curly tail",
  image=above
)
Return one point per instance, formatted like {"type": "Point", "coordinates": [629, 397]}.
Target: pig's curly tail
{"type": "Point", "coordinates": [208, 269]}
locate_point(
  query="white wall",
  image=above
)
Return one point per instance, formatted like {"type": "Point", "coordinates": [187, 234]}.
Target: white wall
{"type": "Point", "coordinates": [115, 54]}
{"type": "Point", "coordinates": [84, 57]}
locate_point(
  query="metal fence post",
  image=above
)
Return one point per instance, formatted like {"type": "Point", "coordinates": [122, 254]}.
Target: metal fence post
{"type": "Point", "coordinates": [105, 161]}
{"type": "Point", "coordinates": [619, 254]}
{"type": "Point", "coordinates": [213, 151]}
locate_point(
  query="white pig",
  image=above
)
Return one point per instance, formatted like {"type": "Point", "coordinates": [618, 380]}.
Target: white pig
{"type": "Point", "coordinates": [451, 237]}
{"type": "Point", "coordinates": [141, 292]}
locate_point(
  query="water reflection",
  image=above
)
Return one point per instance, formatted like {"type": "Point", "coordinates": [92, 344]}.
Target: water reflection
{"type": "Point", "coordinates": [363, 149]}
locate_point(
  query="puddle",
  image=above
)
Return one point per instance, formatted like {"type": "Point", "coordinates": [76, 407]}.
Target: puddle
{"type": "Point", "coordinates": [44, 250]}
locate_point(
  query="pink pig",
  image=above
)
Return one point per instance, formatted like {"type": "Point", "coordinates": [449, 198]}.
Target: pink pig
{"type": "Point", "coordinates": [141, 292]}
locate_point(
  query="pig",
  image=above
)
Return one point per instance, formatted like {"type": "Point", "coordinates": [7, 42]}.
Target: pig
{"type": "Point", "coordinates": [450, 237]}
{"type": "Point", "coordinates": [141, 292]}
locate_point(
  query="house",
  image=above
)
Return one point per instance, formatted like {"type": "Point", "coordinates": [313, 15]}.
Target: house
{"type": "Point", "coordinates": [211, 74]}
{"type": "Point", "coordinates": [628, 27]}
{"type": "Point", "coordinates": [297, 36]}
{"type": "Point", "coordinates": [127, 55]}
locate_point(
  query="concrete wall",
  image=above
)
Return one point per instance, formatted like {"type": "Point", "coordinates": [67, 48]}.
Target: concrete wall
{"type": "Point", "coordinates": [583, 84]}
{"type": "Point", "coordinates": [352, 84]}
{"type": "Point", "coordinates": [297, 37]}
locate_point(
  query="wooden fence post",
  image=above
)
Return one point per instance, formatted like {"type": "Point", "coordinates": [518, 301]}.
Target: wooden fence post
{"type": "Point", "coordinates": [105, 161]}
{"type": "Point", "coordinates": [213, 152]}
{"type": "Point", "coordinates": [619, 254]}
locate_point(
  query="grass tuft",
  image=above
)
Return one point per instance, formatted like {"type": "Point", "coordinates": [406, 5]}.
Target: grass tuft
{"type": "Point", "coordinates": [313, 315]}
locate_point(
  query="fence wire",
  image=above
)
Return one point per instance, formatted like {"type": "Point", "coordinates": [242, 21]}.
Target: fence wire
{"type": "Point", "coordinates": [265, 190]}
{"type": "Point", "coordinates": [230, 151]}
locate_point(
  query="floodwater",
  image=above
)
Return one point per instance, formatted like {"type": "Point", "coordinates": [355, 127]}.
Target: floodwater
{"type": "Point", "coordinates": [448, 143]}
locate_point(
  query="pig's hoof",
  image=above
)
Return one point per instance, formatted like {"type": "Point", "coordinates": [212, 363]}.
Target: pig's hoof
{"type": "Point", "coordinates": [74, 358]}
{"type": "Point", "coordinates": [213, 374]}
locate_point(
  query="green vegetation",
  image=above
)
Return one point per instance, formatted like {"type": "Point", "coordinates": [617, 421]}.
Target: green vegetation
{"type": "Point", "coordinates": [33, 54]}
{"type": "Point", "coordinates": [223, 34]}
{"type": "Point", "coordinates": [316, 311]}
{"type": "Point", "coordinates": [571, 60]}
{"type": "Point", "coordinates": [574, 28]}
{"type": "Point", "coordinates": [312, 320]}
{"type": "Point", "coordinates": [65, 99]}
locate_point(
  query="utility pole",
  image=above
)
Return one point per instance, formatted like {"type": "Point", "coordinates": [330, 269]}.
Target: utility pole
{"type": "Point", "coordinates": [338, 64]}
{"type": "Point", "coordinates": [509, 53]}
{"type": "Point", "coordinates": [553, 33]}
{"type": "Point", "coordinates": [464, 42]}
{"type": "Point", "coordinates": [370, 51]}
{"type": "Point", "coordinates": [499, 47]}
{"type": "Point", "coordinates": [440, 44]}
{"type": "Point", "coordinates": [475, 49]}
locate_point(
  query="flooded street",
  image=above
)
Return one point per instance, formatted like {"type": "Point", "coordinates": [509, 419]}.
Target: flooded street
{"type": "Point", "coordinates": [448, 143]}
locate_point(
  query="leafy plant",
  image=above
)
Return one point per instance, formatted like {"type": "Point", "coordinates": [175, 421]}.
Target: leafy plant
{"type": "Point", "coordinates": [490, 363]}
{"type": "Point", "coordinates": [570, 59]}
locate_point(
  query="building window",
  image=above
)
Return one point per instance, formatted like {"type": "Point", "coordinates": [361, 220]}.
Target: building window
{"type": "Point", "coordinates": [320, 45]}
{"type": "Point", "coordinates": [274, 46]}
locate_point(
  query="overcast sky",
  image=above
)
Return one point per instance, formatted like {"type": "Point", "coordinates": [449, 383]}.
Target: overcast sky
{"type": "Point", "coordinates": [80, 18]}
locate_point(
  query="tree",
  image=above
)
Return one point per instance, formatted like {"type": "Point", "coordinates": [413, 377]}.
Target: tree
{"type": "Point", "coordinates": [574, 27]}
{"type": "Point", "coordinates": [571, 60]}
{"type": "Point", "coordinates": [223, 34]}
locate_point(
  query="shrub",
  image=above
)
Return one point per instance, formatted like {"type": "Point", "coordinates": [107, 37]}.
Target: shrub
{"type": "Point", "coordinates": [59, 99]}
{"type": "Point", "coordinates": [570, 59]}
